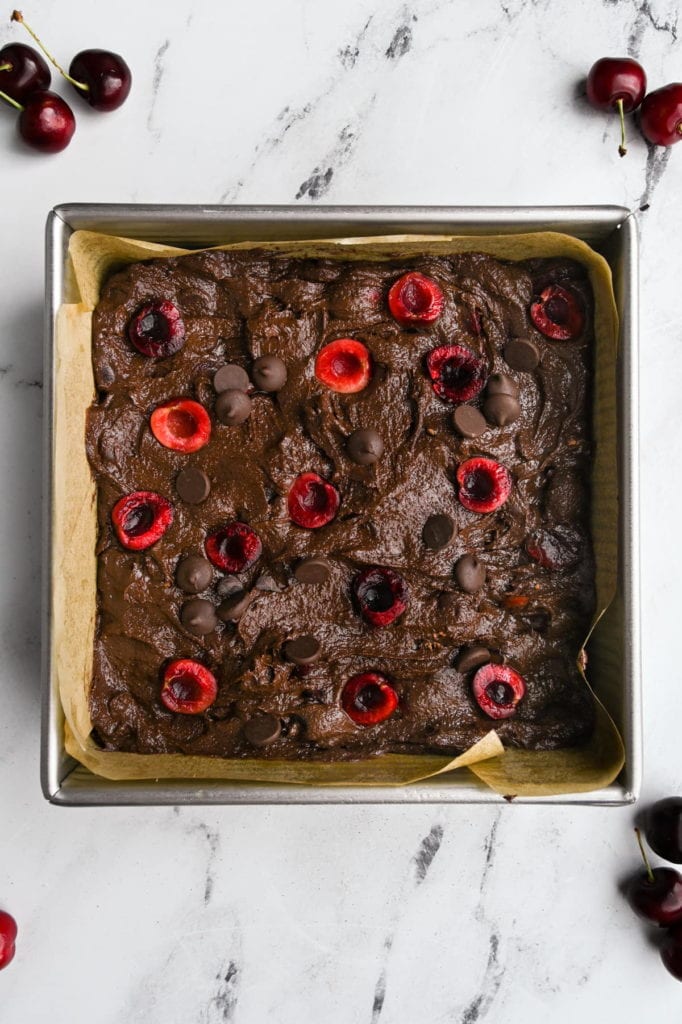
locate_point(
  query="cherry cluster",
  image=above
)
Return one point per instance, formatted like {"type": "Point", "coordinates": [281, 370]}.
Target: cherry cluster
{"type": "Point", "coordinates": [619, 83]}
{"type": "Point", "coordinates": [46, 121]}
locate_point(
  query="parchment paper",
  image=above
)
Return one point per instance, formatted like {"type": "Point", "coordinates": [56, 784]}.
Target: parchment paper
{"type": "Point", "coordinates": [94, 257]}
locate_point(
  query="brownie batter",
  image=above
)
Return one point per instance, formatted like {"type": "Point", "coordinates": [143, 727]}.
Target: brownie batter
{"type": "Point", "coordinates": [475, 593]}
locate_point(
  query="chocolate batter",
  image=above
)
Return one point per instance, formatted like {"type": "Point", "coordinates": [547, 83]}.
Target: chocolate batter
{"type": "Point", "coordinates": [278, 697]}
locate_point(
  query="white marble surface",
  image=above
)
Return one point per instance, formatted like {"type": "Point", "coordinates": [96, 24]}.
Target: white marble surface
{"type": "Point", "coordinates": [413, 915]}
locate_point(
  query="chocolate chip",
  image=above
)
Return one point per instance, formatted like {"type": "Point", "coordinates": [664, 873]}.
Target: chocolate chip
{"type": "Point", "coordinates": [501, 384]}
{"type": "Point", "coordinates": [304, 650]}
{"type": "Point", "coordinates": [448, 601]}
{"type": "Point", "coordinates": [472, 657]}
{"type": "Point", "coordinates": [268, 584]}
{"type": "Point", "coordinates": [192, 485]}
{"type": "Point", "coordinates": [234, 606]}
{"type": "Point", "coordinates": [468, 421]}
{"type": "Point", "coordinates": [198, 616]}
{"type": "Point", "coordinates": [438, 532]}
{"type": "Point", "coordinates": [521, 354]}
{"type": "Point", "coordinates": [269, 373]}
{"type": "Point", "coordinates": [501, 410]}
{"type": "Point", "coordinates": [262, 730]}
{"type": "Point", "coordinates": [193, 574]}
{"type": "Point", "coordinates": [231, 378]}
{"type": "Point", "coordinates": [312, 570]}
{"type": "Point", "coordinates": [364, 447]}
{"type": "Point", "coordinates": [229, 585]}
{"type": "Point", "coordinates": [470, 573]}
{"type": "Point", "coordinates": [233, 407]}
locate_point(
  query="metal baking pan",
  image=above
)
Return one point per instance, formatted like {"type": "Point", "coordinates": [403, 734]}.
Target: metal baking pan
{"type": "Point", "coordinates": [610, 230]}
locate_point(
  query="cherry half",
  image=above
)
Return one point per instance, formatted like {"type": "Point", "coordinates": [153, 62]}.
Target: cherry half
{"type": "Point", "coordinates": [234, 547]}
{"type": "Point", "coordinates": [656, 893]}
{"type": "Point", "coordinates": [8, 937]}
{"type": "Point", "coordinates": [344, 365]}
{"type": "Point", "coordinates": [22, 71]}
{"type": "Point", "coordinates": [663, 828]}
{"type": "Point", "coordinates": [457, 373]}
{"type": "Point", "coordinates": [671, 951]}
{"type": "Point", "coordinates": [369, 698]}
{"type": "Point", "coordinates": [140, 519]}
{"type": "Point", "coordinates": [415, 299]}
{"type": "Point", "coordinates": [558, 314]}
{"type": "Point", "coordinates": [498, 690]}
{"type": "Point", "coordinates": [181, 424]}
{"type": "Point", "coordinates": [617, 83]}
{"type": "Point", "coordinates": [156, 329]}
{"type": "Point", "coordinates": [484, 484]}
{"type": "Point", "coordinates": [660, 118]}
{"type": "Point", "coordinates": [188, 687]}
{"type": "Point", "coordinates": [381, 594]}
{"type": "Point", "coordinates": [312, 501]}
{"type": "Point", "coordinates": [103, 78]}
{"type": "Point", "coordinates": [46, 121]}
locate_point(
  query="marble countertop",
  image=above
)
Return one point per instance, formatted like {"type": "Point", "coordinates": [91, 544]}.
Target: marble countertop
{"type": "Point", "coordinates": [341, 915]}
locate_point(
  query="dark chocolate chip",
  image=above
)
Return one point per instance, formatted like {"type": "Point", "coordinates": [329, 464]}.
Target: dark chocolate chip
{"type": "Point", "coordinates": [269, 373]}
{"type": "Point", "coordinates": [304, 650]}
{"type": "Point", "coordinates": [193, 574]}
{"type": "Point", "coordinates": [364, 447]}
{"type": "Point", "coordinates": [501, 410]}
{"type": "Point", "coordinates": [468, 421]}
{"type": "Point", "coordinates": [268, 584]}
{"type": "Point", "coordinates": [501, 384]}
{"type": "Point", "coordinates": [448, 601]}
{"type": "Point", "coordinates": [438, 532]}
{"type": "Point", "coordinates": [192, 485]}
{"type": "Point", "coordinates": [229, 585]}
{"type": "Point", "coordinates": [312, 570]}
{"type": "Point", "coordinates": [234, 606]}
{"type": "Point", "coordinates": [262, 730]}
{"type": "Point", "coordinates": [233, 407]}
{"type": "Point", "coordinates": [521, 354]}
{"type": "Point", "coordinates": [231, 378]}
{"type": "Point", "coordinates": [472, 657]}
{"type": "Point", "coordinates": [470, 573]}
{"type": "Point", "coordinates": [198, 616]}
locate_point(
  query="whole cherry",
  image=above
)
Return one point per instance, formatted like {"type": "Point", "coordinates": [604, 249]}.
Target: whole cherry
{"type": "Point", "coordinates": [671, 951]}
{"type": "Point", "coordinates": [101, 77]}
{"type": "Point", "coordinates": [660, 118]}
{"type": "Point", "coordinates": [8, 936]}
{"type": "Point", "coordinates": [656, 893]}
{"type": "Point", "coordinates": [663, 828]}
{"type": "Point", "coordinates": [617, 83]}
{"type": "Point", "coordinates": [46, 121]}
{"type": "Point", "coordinates": [22, 71]}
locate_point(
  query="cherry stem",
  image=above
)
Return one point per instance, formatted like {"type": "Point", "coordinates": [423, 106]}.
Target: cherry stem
{"type": "Point", "coordinates": [5, 67]}
{"type": "Point", "coordinates": [8, 99]}
{"type": "Point", "coordinates": [18, 16]}
{"type": "Point", "coordinates": [647, 865]}
{"type": "Point", "coordinates": [621, 112]}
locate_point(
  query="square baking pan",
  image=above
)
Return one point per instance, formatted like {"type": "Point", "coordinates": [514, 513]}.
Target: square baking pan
{"type": "Point", "coordinates": [611, 230]}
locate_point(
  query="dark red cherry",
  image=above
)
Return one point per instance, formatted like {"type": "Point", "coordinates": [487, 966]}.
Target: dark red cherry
{"type": "Point", "coordinates": [8, 936]}
{"type": "Point", "coordinates": [671, 951]}
{"type": "Point", "coordinates": [234, 547]}
{"type": "Point", "coordinates": [369, 698]}
{"type": "Point", "coordinates": [498, 690]}
{"type": "Point", "coordinates": [312, 501]}
{"type": "Point", "coordinates": [660, 118]}
{"type": "Point", "coordinates": [559, 548]}
{"type": "Point", "coordinates": [22, 71]}
{"type": "Point", "coordinates": [415, 299]}
{"type": "Point", "coordinates": [181, 424]}
{"type": "Point", "coordinates": [344, 365]}
{"type": "Point", "coordinates": [656, 893]}
{"type": "Point", "coordinates": [188, 687]}
{"type": "Point", "coordinates": [46, 121]}
{"type": "Point", "coordinates": [558, 313]}
{"type": "Point", "coordinates": [106, 76]}
{"type": "Point", "coordinates": [484, 484]}
{"type": "Point", "coordinates": [157, 329]}
{"type": "Point", "coordinates": [616, 83]}
{"type": "Point", "coordinates": [140, 519]}
{"type": "Point", "coordinates": [457, 374]}
{"type": "Point", "coordinates": [663, 828]}
{"type": "Point", "coordinates": [381, 594]}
